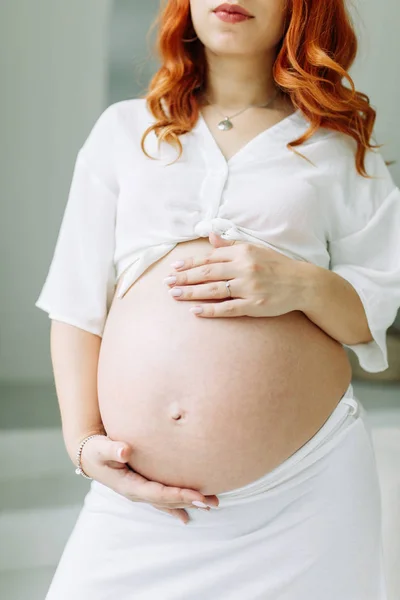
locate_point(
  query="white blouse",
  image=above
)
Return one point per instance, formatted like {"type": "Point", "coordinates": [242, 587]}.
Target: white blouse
{"type": "Point", "coordinates": [125, 211]}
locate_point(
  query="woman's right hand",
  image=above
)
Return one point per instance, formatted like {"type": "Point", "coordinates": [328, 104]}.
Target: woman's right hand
{"type": "Point", "coordinates": [100, 459]}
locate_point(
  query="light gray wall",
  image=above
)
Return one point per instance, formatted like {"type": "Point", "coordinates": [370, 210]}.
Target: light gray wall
{"type": "Point", "coordinates": [377, 69]}
{"type": "Point", "coordinates": [132, 62]}
{"type": "Point", "coordinates": [54, 82]}
{"type": "Point", "coordinates": [54, 71]}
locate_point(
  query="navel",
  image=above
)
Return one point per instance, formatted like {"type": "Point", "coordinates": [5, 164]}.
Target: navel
{"type": "Point", "coordinates": [176, 412]}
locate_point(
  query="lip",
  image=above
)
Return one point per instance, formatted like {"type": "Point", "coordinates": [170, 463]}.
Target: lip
{"type": "Point", "coordinates": [233, 8]}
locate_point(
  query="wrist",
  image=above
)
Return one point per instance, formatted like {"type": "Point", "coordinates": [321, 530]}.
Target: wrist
{"type": "Point", "coordinates": [80, 469]}
{"type": "Point", "coordinates": [314, 280]}
{"type": "Point", "coordinates": [72, 443]}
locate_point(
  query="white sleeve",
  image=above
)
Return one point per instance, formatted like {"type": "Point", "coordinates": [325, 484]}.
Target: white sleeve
{"type": "Point", "coordinates": [81, 278]}
{"type": "Point", "coordinates": [369, 259]}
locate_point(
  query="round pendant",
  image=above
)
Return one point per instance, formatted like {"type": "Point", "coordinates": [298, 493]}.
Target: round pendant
{"type": "Point", "coordinates": [225, 125]}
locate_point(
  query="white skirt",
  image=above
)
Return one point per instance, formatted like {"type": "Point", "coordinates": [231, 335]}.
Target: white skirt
{"type": "Point", "coordinates": [308, 530]}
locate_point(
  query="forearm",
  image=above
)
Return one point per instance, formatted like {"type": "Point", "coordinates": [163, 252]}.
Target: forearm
{"type": "Point", "coordinates": [332, 303]}
{"type": "Point", "coordinates": [75, 355]}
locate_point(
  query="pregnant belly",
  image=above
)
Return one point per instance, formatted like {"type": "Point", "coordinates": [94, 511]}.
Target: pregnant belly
{"type": "Point", "coordinates": [211, 404]}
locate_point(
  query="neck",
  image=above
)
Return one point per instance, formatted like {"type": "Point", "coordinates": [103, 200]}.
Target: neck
{"type": "Point", "coordinates": [237, 81]}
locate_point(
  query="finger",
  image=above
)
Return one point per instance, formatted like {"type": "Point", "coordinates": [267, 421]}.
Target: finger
{"type": "Point", "coordinates": [111, 450]}
{"type": "Point", "coordinates": [206, 291]}
{"type": "Point", "coordinates": [154, 492]}
{"type": "Point", "coordinates": [229, 308]}
{"type": "Point", "coordinates": [222, 254]}
{"type": "Point", "coordinates": [208, 272]}
{"type": "Point", "coordinates": [179, 513]}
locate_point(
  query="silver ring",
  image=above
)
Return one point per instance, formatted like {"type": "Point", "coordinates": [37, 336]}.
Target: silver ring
{"type": "Point", "coordinates": [228, 286]}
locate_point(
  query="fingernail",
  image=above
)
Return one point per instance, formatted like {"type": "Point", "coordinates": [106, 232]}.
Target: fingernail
{"type": "Point", "coordinates": [177, 264]}
{"type": "Point", "coordinates": [175, 292]}
{"type": "Point", "coordinates": [120, 451]}
{"type": "Point", "coordinates": [197, 310]}
{"type": "Point", "coordinates": [199, 504]}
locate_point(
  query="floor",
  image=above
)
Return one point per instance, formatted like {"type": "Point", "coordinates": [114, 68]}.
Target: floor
{"type": "Point", "coordinates": [40, 495]}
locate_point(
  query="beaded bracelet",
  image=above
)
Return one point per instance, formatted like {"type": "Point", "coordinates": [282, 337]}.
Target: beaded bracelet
{"type": "Point", "coordinates": [79, 470]}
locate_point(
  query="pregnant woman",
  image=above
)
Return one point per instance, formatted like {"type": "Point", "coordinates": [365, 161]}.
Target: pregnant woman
{"type": "Point", "coordinates": [225, 237]}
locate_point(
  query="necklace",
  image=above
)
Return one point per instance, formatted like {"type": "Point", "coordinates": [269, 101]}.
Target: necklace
{"type": "Point", "coordinates": [226, 124]}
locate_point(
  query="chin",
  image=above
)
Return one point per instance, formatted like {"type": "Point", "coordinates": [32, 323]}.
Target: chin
{"type": "Point", "coordinates": [226, 44]}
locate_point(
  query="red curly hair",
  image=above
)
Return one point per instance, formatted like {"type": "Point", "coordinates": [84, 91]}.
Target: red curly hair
{"type": "Point", "coordinates": [317, 49]}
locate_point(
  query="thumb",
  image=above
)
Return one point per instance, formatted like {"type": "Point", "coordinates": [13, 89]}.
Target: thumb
{"type": "Point", "coordinates": [218, 242]}
{"type": "Point", "coordinates": [120, 451]}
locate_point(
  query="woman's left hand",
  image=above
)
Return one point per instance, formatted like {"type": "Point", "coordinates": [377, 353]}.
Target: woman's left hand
{"type": "Point", "coordinates": [263, 282]}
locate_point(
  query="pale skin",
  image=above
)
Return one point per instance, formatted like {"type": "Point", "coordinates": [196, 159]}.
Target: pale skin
{"type": "Point", "coordinates": [264, 283]}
